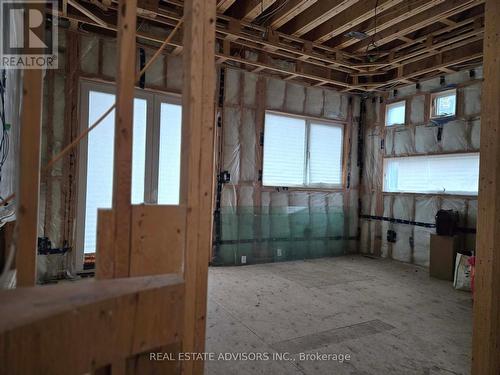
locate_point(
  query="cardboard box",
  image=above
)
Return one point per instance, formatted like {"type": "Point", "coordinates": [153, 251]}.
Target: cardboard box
{"type": "Point", "coordinates": [442, 256]}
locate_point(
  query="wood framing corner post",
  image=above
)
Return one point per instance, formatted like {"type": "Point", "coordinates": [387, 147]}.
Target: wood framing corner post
{"type": "Point", "coordinates": [29, 178]}
{"type": "Point", "coordinates": [29, 173]}
{"type": "Point", "coordinates": [486, 332]}
{"type": "Point", "coordinates": [198, 121]}
{"type": "Point", "coordinates": [122, 181]}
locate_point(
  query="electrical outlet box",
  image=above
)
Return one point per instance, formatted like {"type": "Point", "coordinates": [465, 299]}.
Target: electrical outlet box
{"type": "Point", "coordinates": [279, 252]}
{"type": "Point", "coordinates": [243, 259]}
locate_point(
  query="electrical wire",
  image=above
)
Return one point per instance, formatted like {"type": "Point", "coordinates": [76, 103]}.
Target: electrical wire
{"type": "Point", "coordinates": [372, 41]}
{"type": "Point", "coordinates": [4, 141]}
{"type": "Point", "coordinates": [5, 274]}
{"type": "Point", "coordinates": [4, 152]}
{"type": "Point", "coordinates": [265, 16]}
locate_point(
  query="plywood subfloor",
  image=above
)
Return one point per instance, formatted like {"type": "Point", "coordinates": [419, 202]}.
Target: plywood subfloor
{"type": "Point", "coordinates": [390, 317]}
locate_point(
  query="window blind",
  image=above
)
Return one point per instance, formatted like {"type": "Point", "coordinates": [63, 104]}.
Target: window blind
{"type": "Point", "coordinates": [452, 174]}
{"type": "Point", "coordinates": [284, 151]}
{"type": "Point", "coordinates": [325, 154]}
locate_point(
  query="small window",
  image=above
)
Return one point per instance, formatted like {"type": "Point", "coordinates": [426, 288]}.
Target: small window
{"type": "Point", "coordinates": [444, 103]}
{"type": "Point", "coordinates": [448, 174]}
{"type": "Point", "coordinates": [301, 152]}
{"type": "Point", "coordinates": [395, 113]}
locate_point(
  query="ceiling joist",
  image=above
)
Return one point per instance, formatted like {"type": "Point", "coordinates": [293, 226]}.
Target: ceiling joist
{"type": "Point", "coordinates": [443, 10]}
{"type": "Point", "coordinates": [347, 19]}
{"type": "Point", "coordinates": [248, 10]}
{"type": "Point", "coordinates": [305, 40]}
{"type": "Point", "coordinates": [315, 15]}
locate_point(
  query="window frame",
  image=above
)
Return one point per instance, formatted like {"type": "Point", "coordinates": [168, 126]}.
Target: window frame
{"type": "Point", "coordinates": [306, 171]}
{"type": "Point", "coordinates": [392, 104]}
{"type": "Point", "coordinates": [451, 193]}
{"type": "Point", "coordinates": [154, 100]}
{"type": "Point", "coordinates": [435, 96]}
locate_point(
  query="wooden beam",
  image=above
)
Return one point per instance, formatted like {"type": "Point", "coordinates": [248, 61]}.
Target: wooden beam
{"type": "Point", "coordinates": [405, 39]}
{"type": "Point", "coordinates": [29, 174]}
{"type": "Point", "coordinates": [284, 46]}
{"type": "Point", "coordinates": [455, 55]}
{"type": "Point", "coordinates": [313, 58]}
{"type": "Point", "coordinates": [290, 10]}
{"type": "Point", "coordinates": [29, 177]}
{"type": "Point", "coordinates": [443, 10]}
{"type": "Point", "coordinates": [86, 12]}
{"type": "Point", "coordinates": [415, 47]}
{"type": "Point", "coordinates": [315, 15]}
{"type": "Point", "coordinates": [486, 313]}
{"type": "Point", "coordinates": [439, 32]}
{"type": "Point", "coordinates": [114, 320]}
{"type": "Point", "coordinates": [224, 5]}
{"type": "Point", "coordinates": [248, 10]}
{"type": "Point", "coordinates": [350, 17]}
{"type": "Point", "coordinates": [460, 39]}
{"type": "Point", "coordinates": [447, 22]}
{"type": "Point", "coordinates": [263, 66]}
{"type": "Point", "coordinates": [450, 57]}
{"type": "Point", "coordinates": [198, 122]}
{"type": "Point", "coordinates": [253, 37]}
{"type": "Point", "coordinates": [122, 181]}
{"type": "Point", "coordinates": [148, 5]}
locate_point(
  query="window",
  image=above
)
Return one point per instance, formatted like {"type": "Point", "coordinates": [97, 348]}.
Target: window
{"type": "Point", "coordinates": [99, 168]}
{"type": "Point", "coordinates": [301, 152]}
{"type": "Point", "coordinates": [450, 174]}
{"type": "Point", "coordinates": [395, 113]}
{"type": "Point", "coordinates": [155, 154]}
{"type": "Point", "coordinates": [443, 103]}
{"type": "Point", "coordinates": [169, 170]}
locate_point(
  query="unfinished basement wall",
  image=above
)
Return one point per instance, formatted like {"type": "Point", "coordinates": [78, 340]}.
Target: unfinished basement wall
{"type": "Point", "coordinates": [256, 224]}
{"type": "Point", "coordinates": [419, 136]}
{"type": "Point", "coordinates": [83, 56]}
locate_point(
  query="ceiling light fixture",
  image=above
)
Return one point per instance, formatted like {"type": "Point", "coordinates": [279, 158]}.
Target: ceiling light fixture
{"type": "Point", "coordinates": [357, 35]}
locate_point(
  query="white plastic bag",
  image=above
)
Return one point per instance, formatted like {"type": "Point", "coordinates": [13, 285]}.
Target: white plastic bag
{"type": "Point", "coordinates": [462, 279]}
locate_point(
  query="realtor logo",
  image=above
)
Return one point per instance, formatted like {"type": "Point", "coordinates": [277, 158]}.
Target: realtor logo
{"type": "Point", "coordinates": [29, 34]}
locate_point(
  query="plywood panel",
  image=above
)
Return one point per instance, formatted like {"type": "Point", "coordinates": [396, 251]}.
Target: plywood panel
{"type": "Point", "coordinates": [157, 239]}
{"type": "Point", "coordinates": [105, 259]}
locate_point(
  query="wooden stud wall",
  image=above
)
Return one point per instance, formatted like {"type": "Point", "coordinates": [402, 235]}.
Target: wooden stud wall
{"type": "Point", "coordinates": [130, 235]}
